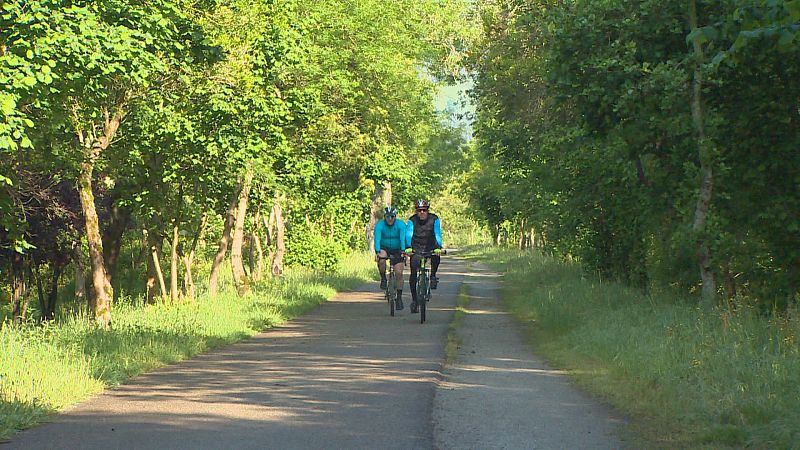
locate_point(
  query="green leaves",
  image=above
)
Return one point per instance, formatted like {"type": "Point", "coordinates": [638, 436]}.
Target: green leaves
{"type": "Point", "coordinates": [583, 129]}
{"type": "Point", "coordinates": [7, 104]}
{"type": "Point", "coordinates": [703, 35]}
{"type": "Point", "coordinates": [315, 96]}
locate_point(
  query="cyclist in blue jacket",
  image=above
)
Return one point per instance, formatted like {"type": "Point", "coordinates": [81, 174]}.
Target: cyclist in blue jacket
{"type": "Point", "coordinates": [390, 240]}
{"type": "Point", "coordinates": [423, 234]}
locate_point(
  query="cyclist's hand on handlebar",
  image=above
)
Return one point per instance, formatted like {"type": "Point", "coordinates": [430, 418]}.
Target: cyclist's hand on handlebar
{"type": "Point", "coordinates": [409, 251]}
{"type": "Point", "coordinates": [437, 251]}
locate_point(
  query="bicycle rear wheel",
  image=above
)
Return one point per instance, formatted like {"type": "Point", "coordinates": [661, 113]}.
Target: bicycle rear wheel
{"type": "Point", "coordinates": [391, 292]}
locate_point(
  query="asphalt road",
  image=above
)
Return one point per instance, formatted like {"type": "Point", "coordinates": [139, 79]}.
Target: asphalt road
{"type": "Point", "coordinates": [348, 376]}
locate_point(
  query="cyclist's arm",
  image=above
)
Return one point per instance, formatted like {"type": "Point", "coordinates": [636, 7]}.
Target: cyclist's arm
{"type": "Point", "coordinates": [403, 240]}
{"type": "Point", "coordinates": [437, 231]}
{"type": "Point", "coordinates": [378, 236]}
{"type": "Point", "coordinates": [409, 233]}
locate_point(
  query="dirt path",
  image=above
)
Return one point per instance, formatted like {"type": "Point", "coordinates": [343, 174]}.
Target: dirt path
{"type": "Point", "coordinates": [498, 395]}
{"type": "Point", "coordinates": [345, 376]}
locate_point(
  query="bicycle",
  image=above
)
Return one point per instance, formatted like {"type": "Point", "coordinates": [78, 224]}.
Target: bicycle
{"type": "Point", "coordinates": [390, 293]}
{"type": "Point", "coordinates": [424, 283]}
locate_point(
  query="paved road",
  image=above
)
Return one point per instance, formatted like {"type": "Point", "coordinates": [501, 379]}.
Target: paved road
{"type": "Point", "coordinates": [345, 376]}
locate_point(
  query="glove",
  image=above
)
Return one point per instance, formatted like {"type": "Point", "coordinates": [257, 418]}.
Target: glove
{"type": "Point", "coordinates": [437, 251]}
{"type": "Point", "coordinates": [409, 251]}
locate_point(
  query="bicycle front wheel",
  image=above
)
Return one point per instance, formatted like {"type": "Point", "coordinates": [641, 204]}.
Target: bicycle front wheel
{"type": "Point", "coordinates": [391, 292]}
{"type": "Point", "coordinates": [422, 290]}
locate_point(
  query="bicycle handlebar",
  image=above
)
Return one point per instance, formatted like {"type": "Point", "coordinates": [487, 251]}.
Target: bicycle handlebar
{"type": "Point", "coordinates": [429, 254]}
{"type": "Point", "coordinates": [390, 256]}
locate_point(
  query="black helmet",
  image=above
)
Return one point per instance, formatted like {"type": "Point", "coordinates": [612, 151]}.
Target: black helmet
{"type": "Point", "coordinates": [421, 204]}
{"type": "Point", "coordinates": [389, 212]}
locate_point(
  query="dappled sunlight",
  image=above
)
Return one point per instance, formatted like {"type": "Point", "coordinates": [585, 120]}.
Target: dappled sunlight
{"type": "Point", "coordinates": [469, 310]}
{"type": "Point", "coordinates": [245, 385]}
{"type": "Point", "coordinates": [481, 275]}
{"type": "Point", "coordinates": [488, 369]}
{"type": "Point", "coordinates": [345, 362]}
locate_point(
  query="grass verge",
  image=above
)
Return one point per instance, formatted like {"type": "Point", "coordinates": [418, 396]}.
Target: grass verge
{"type": "Point", "coordinates": [44, 368]}
{"type": "Point", "coordinates": [689, 377]}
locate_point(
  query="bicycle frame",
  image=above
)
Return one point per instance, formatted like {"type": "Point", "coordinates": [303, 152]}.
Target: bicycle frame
{"type": "Point", "coordinates": [423, 279]}
{"type": "Point", "coordinates": [424, 284]}
{"type": "Point", "coordinates": [390, 293]}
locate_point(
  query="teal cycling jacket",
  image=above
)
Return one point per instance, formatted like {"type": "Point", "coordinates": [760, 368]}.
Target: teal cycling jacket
{"type": "Point", "coordinates": [390, 237]}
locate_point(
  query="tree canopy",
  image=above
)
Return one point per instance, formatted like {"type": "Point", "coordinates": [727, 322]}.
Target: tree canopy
{"type": "Point", "coordinates": [587, 127]}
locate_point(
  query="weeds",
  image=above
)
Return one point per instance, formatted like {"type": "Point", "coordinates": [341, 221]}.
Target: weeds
{"type": "Point", "coordinates": [694, 376]}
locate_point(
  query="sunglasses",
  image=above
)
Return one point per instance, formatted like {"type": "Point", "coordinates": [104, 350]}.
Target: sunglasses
{"type": "Point", "coordinates": [422, 210]}
{"type": "Point", "coordinates": [390, 216]}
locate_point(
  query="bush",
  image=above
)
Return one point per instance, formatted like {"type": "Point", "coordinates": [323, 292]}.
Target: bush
{"type": "Point", "coordinates": [308, 248]}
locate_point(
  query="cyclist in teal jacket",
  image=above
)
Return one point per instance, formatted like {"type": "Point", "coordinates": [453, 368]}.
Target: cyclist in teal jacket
{"type": "Point", "coordinates": [390, 240]}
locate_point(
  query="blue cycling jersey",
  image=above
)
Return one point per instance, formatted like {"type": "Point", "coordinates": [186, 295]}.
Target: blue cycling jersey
{"type": "Point", "coordinates": [390, 237]}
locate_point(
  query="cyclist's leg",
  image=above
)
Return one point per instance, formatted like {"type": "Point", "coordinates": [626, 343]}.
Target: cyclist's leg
{"type": "Point", "coordinates": [435, 260]}
{"type": "Point", "coordinates": [412, 281]}
{"type": "Point", "coordinates": [382, 267]}
{"type": "Point", "coordinates": [397, 262]}
{"type": "Point", "coordinates": [397, 267]}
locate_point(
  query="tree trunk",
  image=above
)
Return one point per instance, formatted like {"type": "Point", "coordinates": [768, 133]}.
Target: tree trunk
{"type": "Point", "coordinates": [19, 288]}
{"type": "Point", "coordinates": [189, 289]}
{"type": "Point", "coordinates": [522, 234]}
{"type": "Point", "coordinates": [237, 262]}
{"type": "Point", "coordinates": [251, 257]}
{"type": "Point", "coordinates": [154, 244]}
{"type": "Point", "coordinates": [80, 274]}
{"type": "Point", "coordinates": [154, 255]}
{"type": "Point", "coordinates": [52, 296]}
{"type": "Point", "coordinates": [174, 261]}
{"type": "Point", "coordinates": [213, 279]}
{"type": "Point", "coordinates": [381, 197]}
{"type": "Point", "coordinates": [258, 270]}
{"type": "Point", "coordinates": [269, 225]}
{"type": "Point", "coordinates": [112, 238]}
{"type": "Point", "coordinates": [729, 283]}
{"type": "Point", "coordinates": [792, 283]}
{"type": "Point", "coordinates": [103, 293]}
{"type": "Point", "coordinates": [20, 293]}
{"type": "Point", "coordinates": [709, 288]}
{"type": "Point", "coordinates": [37, 275]}
{"type": "Point", "coordinates": [93, 147]}
{"type": "Point", "coordinates": [280, 232]}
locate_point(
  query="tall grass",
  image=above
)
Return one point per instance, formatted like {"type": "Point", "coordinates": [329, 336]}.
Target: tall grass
{"type": "Point", "coordinates": [44, 368]}
{"type": "Point", "coordinates": [693, 377]}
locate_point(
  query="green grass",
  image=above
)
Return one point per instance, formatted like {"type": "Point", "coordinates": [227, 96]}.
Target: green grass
{"type": "Point", "coordinates": [688, 377]}
{"type": "Point", "coordinates": [44, 368]}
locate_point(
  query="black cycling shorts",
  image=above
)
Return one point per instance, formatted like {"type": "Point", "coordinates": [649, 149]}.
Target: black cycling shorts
{"type": "Point", "coordinates": [395, 256]}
